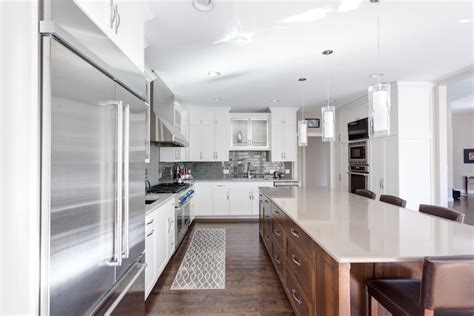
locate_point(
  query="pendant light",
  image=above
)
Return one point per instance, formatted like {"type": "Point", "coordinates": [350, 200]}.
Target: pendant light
{"type": "Point", "coordinates": [302, 124]}
{"type": "Point", "coordinates": [328, 113]}
{"type": "Point", "coordinates": [379, 95]}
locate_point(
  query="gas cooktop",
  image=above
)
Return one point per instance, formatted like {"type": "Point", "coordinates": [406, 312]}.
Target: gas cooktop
{"type": "Point", "coordinates": [168, 187]}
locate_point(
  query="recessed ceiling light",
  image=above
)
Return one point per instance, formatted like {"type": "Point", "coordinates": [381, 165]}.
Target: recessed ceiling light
{"type": "Point", "coordinates": [203, 5]}
{"type": "Point", "coordinates": [349, 5]}
{"type": "Point", "coordinates": [275, 101]}
{"type": "Point", "coordinates": [465, 21]}
{"type": "Point", "coordinates": [214, 73]}
{"type": "Point", "coordinates": [308, 16]}
{"type": "Point", "coordinates": [302, 79]}
{"type": "Point", "coordinates": [328, 52]}
{"type": "Point", "coordinates": [217, 99]}
{"type": "Point", "coordinates": [237, 38]}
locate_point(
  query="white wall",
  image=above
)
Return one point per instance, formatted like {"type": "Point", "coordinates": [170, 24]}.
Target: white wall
{"type": "Point", "coordinates": [317, 158]}
{"type": "Point", "coordinates": [19, 159]}
{"type": "Point", "coordinates": [463, 137]}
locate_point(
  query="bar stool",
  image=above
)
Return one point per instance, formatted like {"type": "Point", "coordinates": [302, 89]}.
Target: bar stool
{"type": "Point", "coordinates": [443, 212]}
{"type": "Point", "coordinates": [391, 199]}
{"type": "Point", "coordinates": [366, 193]}
{"type": "Point", "coordinates": [444, 290]}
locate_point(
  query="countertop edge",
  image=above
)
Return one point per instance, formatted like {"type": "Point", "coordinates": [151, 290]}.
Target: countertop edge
{"type": "Point", "coordinates": [153, 207]}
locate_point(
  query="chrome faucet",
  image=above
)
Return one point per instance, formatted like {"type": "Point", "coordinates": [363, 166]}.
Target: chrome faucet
{"type": "Point", "coordinates": [248, 170]}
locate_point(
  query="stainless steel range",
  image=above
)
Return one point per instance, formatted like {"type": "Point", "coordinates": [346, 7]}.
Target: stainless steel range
{"type": "Point", "coordinates": [184, 193]}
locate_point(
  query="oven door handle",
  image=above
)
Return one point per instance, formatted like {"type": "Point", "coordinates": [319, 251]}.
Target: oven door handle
{"type": "Point", "coordinates": [179, 207]}
{"type": "Point", "coordinates": [359, 173]}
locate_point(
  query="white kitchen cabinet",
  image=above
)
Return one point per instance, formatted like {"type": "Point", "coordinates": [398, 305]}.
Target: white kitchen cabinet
{"type": "Point", "coordinates": [150, 255]}
{"type": "Point", "coordinates": [172, 154]}
{"type": "Point", "coordinates": [208, 132]}
{"type": "Point", "coordinates": [341, 181]}
{"type": "Point", "coordinates": [202, 202]}
{"type": "Point", "coordinates": [250, 131]}
{"type": "Point", "coordinates": [159, 242]}
{"type": "Point", "coordinates": [240, 203]}
{"type": "Point", "coordinates": [283, 135]}
{"type": "Point", "coordinates": [254, 201]}
{"type": "Point", "coordinates": [233, 198]}
{"type": "Point", "coordinates": [383, 178]}
{"type": "Point", "coordinates": [123, 22]}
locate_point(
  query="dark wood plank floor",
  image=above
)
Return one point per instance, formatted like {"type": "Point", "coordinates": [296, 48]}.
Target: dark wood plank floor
{"type": "Point", "coordinates": [466, 205]}
{"type": "Point", "coordinates": [252, 286]}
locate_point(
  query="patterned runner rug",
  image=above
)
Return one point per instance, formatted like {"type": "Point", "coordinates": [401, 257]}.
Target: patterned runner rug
{"type": "Point", "coordinates": [203, 265]}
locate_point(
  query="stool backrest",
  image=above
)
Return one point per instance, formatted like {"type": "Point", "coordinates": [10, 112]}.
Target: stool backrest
{"type": "Point", "coordinates": [366, 193]}
{"type": "Point", "coordinates": [443, 212]}
{"type": "Point", "coordinates": [395, 200]}
{"type": "Point", "coordinates": [448, 283]}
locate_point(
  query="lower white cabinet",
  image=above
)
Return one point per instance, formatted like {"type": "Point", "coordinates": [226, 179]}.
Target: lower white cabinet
{"type": "Point", "coordinates": [231, 198]}
{"type": "Point", "coordinates": [159, 242]}
{"type": "Point", "coordinates": [383, 158]}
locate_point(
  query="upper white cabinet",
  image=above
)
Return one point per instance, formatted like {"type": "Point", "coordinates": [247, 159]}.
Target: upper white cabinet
{"type": "Point", "coordinates": [123, 22]}
{"type": "Point", "coordinates": [283, 134]}
{"type": "Point", "coordinates": [176, 154]}
{"type": "Point", "coordinates": [355, 111]}
{"type": "Point", "coordinates": [208, 135]}
{"type": "Point", "coordinates": [250, 131]}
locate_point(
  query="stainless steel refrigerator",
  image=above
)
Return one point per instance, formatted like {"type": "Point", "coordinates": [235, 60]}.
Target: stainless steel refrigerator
{"type": "Point", "coordinates": [93, 200]}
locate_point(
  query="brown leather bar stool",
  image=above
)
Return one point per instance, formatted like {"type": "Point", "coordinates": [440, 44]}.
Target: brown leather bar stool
{"type": "Point", "coordinates": [444, 290]}
{"type": "Point", "coordinates": [443, 212]}
{"type": "Point", "coordinates": [366, 193]}
{"type": "Point", "coordinates": [391, 199]}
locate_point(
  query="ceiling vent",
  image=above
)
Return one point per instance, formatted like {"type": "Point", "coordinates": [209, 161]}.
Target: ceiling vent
{"type": "Point", "coordinates": [203, 5]}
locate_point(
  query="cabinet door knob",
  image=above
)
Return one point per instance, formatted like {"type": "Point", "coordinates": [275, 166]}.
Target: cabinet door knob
{"type": "Point", "coordinates": [295, 233]}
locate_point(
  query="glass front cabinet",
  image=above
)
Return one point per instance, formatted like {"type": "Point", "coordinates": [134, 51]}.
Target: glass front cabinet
{"type": "Point", "coordinates": [250, 131]}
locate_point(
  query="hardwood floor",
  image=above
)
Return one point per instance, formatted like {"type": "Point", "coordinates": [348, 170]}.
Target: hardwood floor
{"type": "Point", "coordinates": [466, 205]}
{"type": "Point", "coordinates": [252, 285]}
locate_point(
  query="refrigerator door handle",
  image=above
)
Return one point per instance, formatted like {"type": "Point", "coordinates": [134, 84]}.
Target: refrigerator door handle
{"type": "Point", "coordinates": [117, 252]}
{"type": "Point", "coordinates": [126, 178]}
{"type": "Point", "coordinates": [147, 140]}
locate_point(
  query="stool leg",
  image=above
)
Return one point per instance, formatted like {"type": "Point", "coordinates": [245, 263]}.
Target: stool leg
{"type": "Point", "coordinates": [373, 306]}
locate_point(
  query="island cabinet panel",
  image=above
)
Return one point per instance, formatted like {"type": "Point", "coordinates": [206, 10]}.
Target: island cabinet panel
{"type": "Point", "coordinates": [311, 278]}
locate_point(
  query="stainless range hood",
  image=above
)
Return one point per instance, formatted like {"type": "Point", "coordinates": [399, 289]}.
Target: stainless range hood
{"type": "Point", "coordinates": [163, 132]}
{"type": "Point", "coordinates": [167, 134]}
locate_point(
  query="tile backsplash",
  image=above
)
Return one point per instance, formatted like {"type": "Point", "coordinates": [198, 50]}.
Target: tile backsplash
{"type": "Point", "coordinates": [260, 165]}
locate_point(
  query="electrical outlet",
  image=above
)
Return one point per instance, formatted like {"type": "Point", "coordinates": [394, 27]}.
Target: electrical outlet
{"type": "Point", "coordinates": [287, 171]}
{"type": "Point", "coordinates": [226, 171]}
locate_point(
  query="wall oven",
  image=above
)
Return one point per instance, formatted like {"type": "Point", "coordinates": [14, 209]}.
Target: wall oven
{"type": "Point", "coordinates": [358, 153]}
{"type": "Point", "coordinates": [358, 129]}
{"type": "Point", "coordinates": [358, 177]}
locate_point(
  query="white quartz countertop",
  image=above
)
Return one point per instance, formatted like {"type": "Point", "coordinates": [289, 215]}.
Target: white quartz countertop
{"type": "Point", "coordinates": [352, 228]}
{"type": "Point", "coordinates": [161, 199]}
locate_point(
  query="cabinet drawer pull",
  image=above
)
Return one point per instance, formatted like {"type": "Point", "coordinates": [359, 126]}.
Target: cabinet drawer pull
{"type": "Point", "coordinates": [276, 232]}
{"type": "Point", "coordinates": [277, 260]}
{"type": "Point", "coordinates": [150, 233]}
{"type": "Point", "coordinates": [150, 222]}
{"type": "Point", "coordinates": [294, 293]}
{"type": "Point", "coordinates": [295, 233]}
{"type": "Point", "coordinates": [276, 212]}
{"type": "Point", "coordinates": [296, 260]}
{"type": "Point", "coordinates": [266, 216]}
{"type": "Point", "coordinates": [266, 201]}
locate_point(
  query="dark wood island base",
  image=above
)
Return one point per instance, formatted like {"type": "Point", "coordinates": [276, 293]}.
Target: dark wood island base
{"type": "Point", "coordinates": [314, 282]}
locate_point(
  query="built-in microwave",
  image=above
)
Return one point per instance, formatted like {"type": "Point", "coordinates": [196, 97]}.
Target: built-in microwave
{"type": "Point", "coordinates": [358, 153]}
{"type": "Point", "coordinates": [358, 129]}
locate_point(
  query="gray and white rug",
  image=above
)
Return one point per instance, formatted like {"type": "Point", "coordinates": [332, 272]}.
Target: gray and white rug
{"type": "Point", "coordinates": [203, 265]}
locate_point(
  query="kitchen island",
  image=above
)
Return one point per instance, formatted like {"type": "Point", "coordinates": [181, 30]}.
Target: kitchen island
{"type": "Point", "coordinates": [326, 244]}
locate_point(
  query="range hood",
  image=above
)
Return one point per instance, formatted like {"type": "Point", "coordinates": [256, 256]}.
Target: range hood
{"type": "Point", "coordinates": [167, 134]}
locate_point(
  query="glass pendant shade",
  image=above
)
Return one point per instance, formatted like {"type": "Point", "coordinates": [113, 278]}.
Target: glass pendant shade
{"type": "Point", "coordinates": [328, 115]}
{"type": "Point", "coordinates": [302, 133]}
{"type": "Point", "coordinates": [379, 110]}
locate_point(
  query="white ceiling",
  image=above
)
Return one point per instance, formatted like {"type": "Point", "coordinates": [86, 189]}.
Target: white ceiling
{"type": "Point", "coordinates": [420, 40]}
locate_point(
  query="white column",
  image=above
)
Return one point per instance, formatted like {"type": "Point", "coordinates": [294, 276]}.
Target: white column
{"type": "Point", "coordinates": [19, 158]}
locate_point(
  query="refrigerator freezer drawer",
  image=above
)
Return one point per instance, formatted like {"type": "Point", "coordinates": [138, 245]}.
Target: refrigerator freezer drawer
{"type": "Point", "coordinates": [127, 296]}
